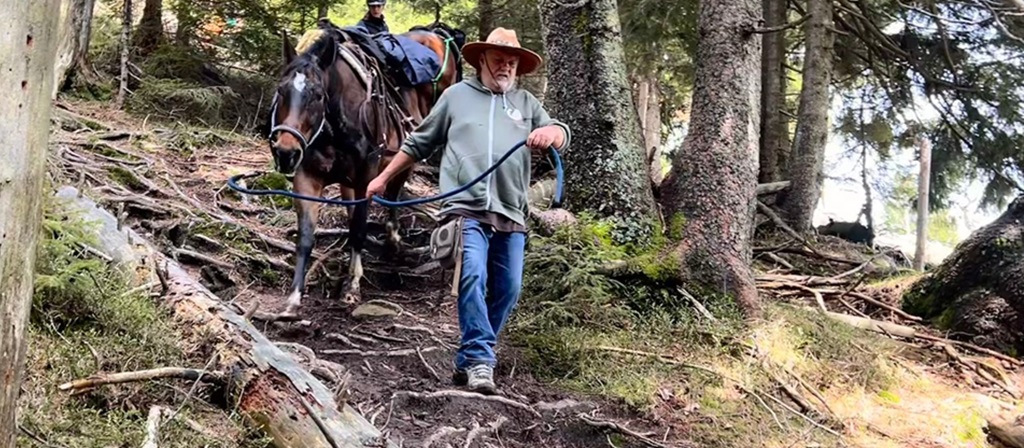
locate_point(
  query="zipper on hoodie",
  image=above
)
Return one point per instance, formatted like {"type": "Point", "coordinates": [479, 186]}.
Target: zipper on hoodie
{"type": "Point", "coordinates": [490, 150]}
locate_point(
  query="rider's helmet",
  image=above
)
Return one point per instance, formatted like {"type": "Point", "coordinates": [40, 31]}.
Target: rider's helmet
{"type": "Point", "coordinates": [375, 2]}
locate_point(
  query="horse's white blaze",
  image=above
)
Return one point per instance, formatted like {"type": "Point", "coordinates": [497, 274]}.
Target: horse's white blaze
{"type": "Point", "coordinates": [299, 82]}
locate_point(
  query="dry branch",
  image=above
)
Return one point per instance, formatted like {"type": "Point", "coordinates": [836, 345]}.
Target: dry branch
{"type": "Point", "coordinates": [142, 375]}
{"type": "Point", "coordinates": [620, 429]}
{"type": "Point", "coordinates": [772, 187]}
{"type": "Point", "coordinates": [153, 428]}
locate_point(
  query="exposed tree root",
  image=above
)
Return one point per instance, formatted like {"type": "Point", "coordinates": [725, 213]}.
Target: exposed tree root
{"type": "Point", "coordinates": [478, 430]}
{"type": "Point", "coordinates": [469, 395]}
{"type": "Point", "coordinates": [391, 353]}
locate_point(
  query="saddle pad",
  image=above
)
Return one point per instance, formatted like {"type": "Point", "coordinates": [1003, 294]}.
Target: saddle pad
{"type": "Point", "coordinates": [419, 63]}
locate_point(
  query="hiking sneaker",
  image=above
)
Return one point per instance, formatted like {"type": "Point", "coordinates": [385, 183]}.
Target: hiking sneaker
{"type": "Point", "coordinates": [480, 378]}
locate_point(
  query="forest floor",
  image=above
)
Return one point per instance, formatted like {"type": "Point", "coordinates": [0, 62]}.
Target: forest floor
{"type": "Point", "coordinates": [798, 379]}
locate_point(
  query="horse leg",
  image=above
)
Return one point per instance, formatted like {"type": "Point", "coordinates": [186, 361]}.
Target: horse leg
{"type": "Point", "coordinates": [347, 194]}
{"type": "Point", "coordinates": [356, 238]}
{"type": "Point", "coordinates": [392, 193]}
{"type": "Point", "coordinates": [308, 213]}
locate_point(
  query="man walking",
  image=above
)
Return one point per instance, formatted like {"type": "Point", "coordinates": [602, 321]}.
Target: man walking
{"type": "Point", "coordinates": [373, 22]}
{"type": "Point", "coordinates": [476, 121]}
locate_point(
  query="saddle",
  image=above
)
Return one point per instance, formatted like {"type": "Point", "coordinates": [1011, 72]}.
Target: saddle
{"type": "Point", "coordinates": [406, 62]}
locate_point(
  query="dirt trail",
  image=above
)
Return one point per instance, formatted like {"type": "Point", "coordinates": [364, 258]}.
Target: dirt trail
{"type": "Point", "coordinates": [170, 186]}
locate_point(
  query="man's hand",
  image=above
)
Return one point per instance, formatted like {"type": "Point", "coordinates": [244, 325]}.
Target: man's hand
{"type": "Point", "coordinates": [542, 138]}
{"type": "Point", "coordinates": [377, 185]}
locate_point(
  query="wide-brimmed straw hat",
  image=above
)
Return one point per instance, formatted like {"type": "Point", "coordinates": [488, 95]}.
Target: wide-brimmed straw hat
{"type": "Point", "coordinates": [504, 40]}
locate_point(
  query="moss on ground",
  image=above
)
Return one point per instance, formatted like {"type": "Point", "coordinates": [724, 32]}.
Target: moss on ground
{"type": "Point", "coordinates": [87, 318]}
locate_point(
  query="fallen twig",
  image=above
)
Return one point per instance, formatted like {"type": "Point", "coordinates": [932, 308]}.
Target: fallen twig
{"type": "Point", "coordinates": [470, 395]}
{"type": "Point", "coordinates": [620, 429]}
{"type": "Point", "coordinates": [993, 353]}
{"type": "Point", "coordinates": [152, 428]}
{"type": "Point", "coordinates": [875, 302]}
{"type": "Point", "coordinates": [767, 211]}
{"type": "Point", "coordinates": [142, 375]}
{"type": "Point", "coordinates": [427, 365]}
{"type": "Point", "coordinates": [696, 304]}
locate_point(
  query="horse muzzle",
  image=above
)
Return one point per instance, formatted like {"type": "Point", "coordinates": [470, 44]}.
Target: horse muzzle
{"type": "Point", "coordinates": [287, 161]}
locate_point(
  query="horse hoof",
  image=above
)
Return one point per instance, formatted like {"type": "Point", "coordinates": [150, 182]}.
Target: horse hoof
{"type": "Point", "coordinates": [350, 297]}
{"type": "Point", "coordinates": [290, 313]}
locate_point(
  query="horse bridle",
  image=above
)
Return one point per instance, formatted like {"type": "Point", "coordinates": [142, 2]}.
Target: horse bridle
{"type": "Point", "coordinates": [303, 143]}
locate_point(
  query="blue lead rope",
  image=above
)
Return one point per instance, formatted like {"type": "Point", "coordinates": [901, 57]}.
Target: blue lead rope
{"type": "Point", "coordinates": [555, 203]}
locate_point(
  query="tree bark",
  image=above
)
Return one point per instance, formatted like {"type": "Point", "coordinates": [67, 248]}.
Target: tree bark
{"type": "Point", "coordinates": [805, 169]}
{"type": "Point", "coordinates": [485, 14]}
{"type": "Point", "coordinates": [322, 11]}
{"type": "Point", "coordinates": [28, 46]}
{"type": "Point", "coordinates": [126, 31]}
{"type": "Point", "coordinates": [978, 291]}
{"type": "Point", "coordinates": [73, 47]}
{"type": "Point", "coordinates": [925, 162]}
{"type": "Point", "coordinates": [774, 132]}
{"type": "Point", "coordinates": [710, 192]}
{"type": "Point", "coordinates": [606, 169]}
{"type": "Point", "coordinates": [268, 386]}
{"type": "Point", "coordinates": [150, 33]}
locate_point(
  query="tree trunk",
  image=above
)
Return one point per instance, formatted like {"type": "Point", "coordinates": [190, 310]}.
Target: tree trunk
{"type": "Point", "coordinates": [652, 131]}
{"type": "Point", "coordinates": [868, 209]}
{"type": "Point", "coordinates": [774, 132]}
{"type": "Point", "coordinates": [126, 32]}
{"type": "Point", "coordinates": [150, 33]}
{"type": "Point", "coordinates": [28, 46]}
{"type": "Point", "coordinates": [805, 168]}
{"type": "Point", "coordinates": [710, 193]}
{"type": "Point", "coordinates": [268, 386]}
{"type": "Point", "coordinates": [322, 11]}
{"type": "Point", "coordinates": [978, 291]}
{"type": "Point", "coordinates": [73, 43]}
{"type": "Point", "coordinates": [485, 14]}
{"type": "Point", "coordinates": [606, 170]}
{"type": "Point", "coordinates": [925, 160]}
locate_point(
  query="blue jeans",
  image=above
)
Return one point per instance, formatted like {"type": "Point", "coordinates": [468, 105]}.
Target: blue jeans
{"type": "Point", "coordinates": [492, 276]}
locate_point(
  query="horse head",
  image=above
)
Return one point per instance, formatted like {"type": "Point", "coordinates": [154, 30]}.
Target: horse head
{"type": "Point", "coordinates": [299, 112]}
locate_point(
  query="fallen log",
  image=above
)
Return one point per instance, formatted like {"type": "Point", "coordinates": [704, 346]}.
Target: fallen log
{"type": "Point", "coordinates": [264, 383]}
{"type": "Point", "coordinates": [1007, 432]}
{"type": "Point", "coordinates": [772, 187]}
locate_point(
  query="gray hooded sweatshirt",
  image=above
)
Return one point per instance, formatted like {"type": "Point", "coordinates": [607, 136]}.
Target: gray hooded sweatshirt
{"type": "Point", "coordinates": [476, 127]}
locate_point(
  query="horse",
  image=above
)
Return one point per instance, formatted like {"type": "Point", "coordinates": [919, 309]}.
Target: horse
{"type": "Point", "coordinates": [334, 121]}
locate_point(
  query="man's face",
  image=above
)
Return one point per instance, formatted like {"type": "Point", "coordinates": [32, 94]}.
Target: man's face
{"type": "Point", "coordinates": [501, 67]}
{"type": "Point", "coordinates": [376, 11]}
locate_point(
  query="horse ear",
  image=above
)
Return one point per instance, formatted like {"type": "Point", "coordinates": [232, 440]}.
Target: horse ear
{"type": "Point", "coordinates": [327, 56]}
{"type": "Point", "coordinates": [287, 50]}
